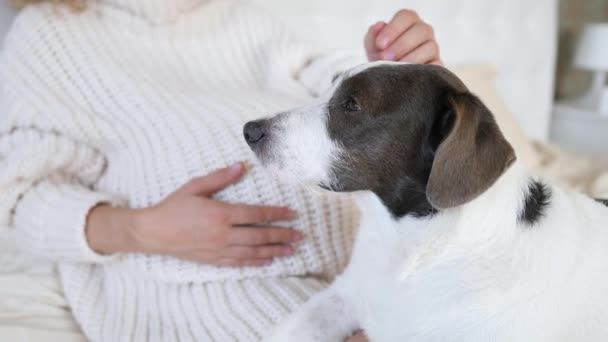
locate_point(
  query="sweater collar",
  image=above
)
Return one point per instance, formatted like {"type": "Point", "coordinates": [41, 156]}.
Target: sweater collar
{"type": "Point", "coordinates": [156, 11]}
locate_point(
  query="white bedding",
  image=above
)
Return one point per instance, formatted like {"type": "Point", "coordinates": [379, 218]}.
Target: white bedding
{"type": "Point", "coordinates": [32, 305]}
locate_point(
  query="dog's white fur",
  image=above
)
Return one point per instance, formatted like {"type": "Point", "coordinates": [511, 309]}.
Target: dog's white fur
{"type": "Point", "coordinates": [309, 145]}
{"type": "Point", "coordinates": [470, 273]}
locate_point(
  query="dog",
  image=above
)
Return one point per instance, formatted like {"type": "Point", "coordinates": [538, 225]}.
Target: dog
{"type": "Point", "coordinates": [457, 240]}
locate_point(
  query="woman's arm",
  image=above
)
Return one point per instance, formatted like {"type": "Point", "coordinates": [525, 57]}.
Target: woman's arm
{"type": "Point", "coordinates": [108, 229]}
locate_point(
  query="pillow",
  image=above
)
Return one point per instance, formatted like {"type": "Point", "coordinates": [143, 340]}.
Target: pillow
{"type": "Point", "coordinates": [583, 173]}
{"type": "Point", "coordinates": [479, 78]}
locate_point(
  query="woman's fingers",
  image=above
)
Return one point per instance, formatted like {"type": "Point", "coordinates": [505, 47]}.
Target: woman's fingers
{"type": "Point", "coordinates": [425, 53]}
{"type": "Point", "coordinates": [246, 244]}
{"type": "Point", "coordinates": [242, 214]}
{"type": "Point", "coordinates": [255, 236]}
{"type": "Point", "coordinates": [215, 181]}
{"type": "Point", "coordinates": [408, 42]}
{"type": "Point", "coordinates": [370, 41]}
{"type": "Point", "coordinates": [400, 23]}
{"type": "Point", "coordinates": [404, 38]}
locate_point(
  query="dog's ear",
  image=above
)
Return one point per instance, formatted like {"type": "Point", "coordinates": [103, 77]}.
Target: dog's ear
{"type": "Point", "coordinates": [471, 156]}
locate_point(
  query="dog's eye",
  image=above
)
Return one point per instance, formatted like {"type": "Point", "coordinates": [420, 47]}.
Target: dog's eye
{"type": "Point", "coordinates": [351, 105]}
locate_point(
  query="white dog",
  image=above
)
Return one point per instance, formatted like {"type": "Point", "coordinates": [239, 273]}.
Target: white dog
{"type": "Point", "coordinates": [457, 241]}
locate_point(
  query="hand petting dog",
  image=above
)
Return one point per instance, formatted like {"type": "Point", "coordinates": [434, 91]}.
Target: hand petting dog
{"type": "Point", "coordinates": [405, 38]}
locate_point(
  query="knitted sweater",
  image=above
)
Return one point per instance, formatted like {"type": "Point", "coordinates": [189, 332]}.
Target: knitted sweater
{"type": "Point", "coordinates": [122, 104]}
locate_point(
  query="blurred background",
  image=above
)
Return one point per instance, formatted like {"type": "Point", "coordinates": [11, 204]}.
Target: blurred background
{"type": "Point", "coordinates": [530, 46]}
{"type": "Point", "coordinates": [573, 16]}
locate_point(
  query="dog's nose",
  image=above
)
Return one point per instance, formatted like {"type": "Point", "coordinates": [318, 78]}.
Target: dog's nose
{"type": "Point", "coordinates": [253, 132]}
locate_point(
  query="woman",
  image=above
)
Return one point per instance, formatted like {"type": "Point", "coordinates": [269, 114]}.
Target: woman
{"type": "Point", "coordinates": [115, 118]}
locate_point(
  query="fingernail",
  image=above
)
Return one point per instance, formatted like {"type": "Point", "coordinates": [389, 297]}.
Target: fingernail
{"type": "Point", "coordinates": [388, 55]}
{"type": "Point", "coordinates": [236, 168]}
{"type": "Point", "coordinates": [287, 251]}
{"type": "Point", "coordinates": [268, 262]}
{"type": "Point", "coordinates": [382, 42]}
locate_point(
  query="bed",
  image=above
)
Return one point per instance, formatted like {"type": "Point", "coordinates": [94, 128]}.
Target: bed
{"type": "Point", "coordinates": [507, 43]}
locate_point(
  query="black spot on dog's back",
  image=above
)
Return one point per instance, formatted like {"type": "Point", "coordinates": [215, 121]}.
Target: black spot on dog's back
{"type": "Point", "coordinates": [603, 201]}
{"type": "Point", "coordinates": [536, 202]}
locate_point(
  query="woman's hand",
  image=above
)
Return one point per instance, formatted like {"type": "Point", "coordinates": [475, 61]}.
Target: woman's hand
{"type": "Point", "coordinates": [188, 224]}
{"type": "Point", "coordinates": [405, 38]}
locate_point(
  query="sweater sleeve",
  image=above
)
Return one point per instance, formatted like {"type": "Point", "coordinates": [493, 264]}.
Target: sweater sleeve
{"type": "Point", "coordinates": [310, 65]}
{"type": "Point", "coordinates": [47, 188]}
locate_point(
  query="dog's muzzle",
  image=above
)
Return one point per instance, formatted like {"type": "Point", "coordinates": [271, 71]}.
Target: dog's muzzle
{"type": "Point", "coordinates": [254, 132]}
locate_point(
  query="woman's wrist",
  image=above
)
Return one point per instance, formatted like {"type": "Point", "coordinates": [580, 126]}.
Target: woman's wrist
{"type": "Point", "coordinates": [109, 230]}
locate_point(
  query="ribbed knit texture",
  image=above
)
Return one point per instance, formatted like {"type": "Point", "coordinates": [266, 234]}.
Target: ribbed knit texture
{"type": "Point", "coordinates": [124, 103]}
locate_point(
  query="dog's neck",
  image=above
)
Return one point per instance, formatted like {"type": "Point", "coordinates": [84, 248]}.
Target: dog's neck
{"type": "Point", "coordinates": [407, 198]}
{"type": "Point", "coordinates": [509, 200]}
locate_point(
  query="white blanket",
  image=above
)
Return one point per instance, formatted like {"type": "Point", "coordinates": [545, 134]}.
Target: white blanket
{"type": "Point", "coordinates": [32, 305]}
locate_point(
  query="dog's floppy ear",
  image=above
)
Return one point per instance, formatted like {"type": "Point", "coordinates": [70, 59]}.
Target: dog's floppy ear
{"type": "Point", "coordinates": [473, 154]}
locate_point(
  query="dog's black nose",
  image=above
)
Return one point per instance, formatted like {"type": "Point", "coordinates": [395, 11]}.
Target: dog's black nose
{"type": "Point", "coordinates": [253, 132]}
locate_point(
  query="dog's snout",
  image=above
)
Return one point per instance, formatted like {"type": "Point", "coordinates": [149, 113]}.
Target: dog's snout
{"type": "Point", "coordinates": [254, 132]}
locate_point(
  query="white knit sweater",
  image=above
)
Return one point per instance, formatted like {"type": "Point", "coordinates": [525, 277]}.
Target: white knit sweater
{"type": "Point", "coordinates": [122, 104]}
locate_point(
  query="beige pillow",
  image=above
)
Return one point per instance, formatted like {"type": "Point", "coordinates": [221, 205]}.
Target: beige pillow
{"type": "Point", "coordinates": [480, 78]}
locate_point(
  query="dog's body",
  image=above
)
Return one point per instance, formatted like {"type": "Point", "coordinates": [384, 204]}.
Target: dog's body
{"type": "Point", "coordinates": [470, 274]}
{"type": "Point", "coordinates": [505, 258]}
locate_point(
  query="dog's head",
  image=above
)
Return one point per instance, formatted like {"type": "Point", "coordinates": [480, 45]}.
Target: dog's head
{"type": "Point", "coordinates": [413, 134]}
